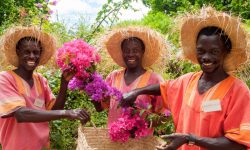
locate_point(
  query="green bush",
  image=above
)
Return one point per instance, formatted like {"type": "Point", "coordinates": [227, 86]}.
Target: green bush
{"type": "Point", "coordinates": [63, 133]}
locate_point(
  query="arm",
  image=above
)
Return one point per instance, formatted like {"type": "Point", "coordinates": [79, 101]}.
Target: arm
{"type": "Point", "coordinates": [218, 143]}
{"type": "Point", "coordinates": [67, 75]}
{"type": "Point", "coordinates": [129, 98]}
{"type": "Point", "coordinates": [98, 106]}
{"type": "Point", "coordinates": [61, 98]}
{"type": "Point", "coordinates": [178, 139]}
{"type": "Point", "coordinates": [30, 115]}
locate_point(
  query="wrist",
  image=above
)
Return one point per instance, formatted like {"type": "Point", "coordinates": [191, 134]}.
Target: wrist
{"type": "Point", "coordinates": [64, 113]}
{"type": "Point", "coordinates": [191, 139]}
{"type": "Point", "coordinates": [138, 92]}
{"type": "Point", "coordinates": [64, 81]}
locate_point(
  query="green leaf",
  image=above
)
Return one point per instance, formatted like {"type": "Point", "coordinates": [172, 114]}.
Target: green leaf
{"type": "Point", "coordinates": [141, 112]}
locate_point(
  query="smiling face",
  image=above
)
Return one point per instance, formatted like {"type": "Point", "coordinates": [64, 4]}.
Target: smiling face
{"type": "Point", "coordinates": [212, 46]}
{"type": "Point", "coordinates": [29, 53]}
{"type": "Point", "coordinates": [132, 52]}
{"type": "Point", "coordinates": [210, 53]}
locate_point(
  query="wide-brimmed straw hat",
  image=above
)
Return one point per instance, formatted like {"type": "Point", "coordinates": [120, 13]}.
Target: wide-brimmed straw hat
{"type": "Point", "coordinates": [152, 40]}
{"type": "Point", "coordinates": [14, 34]}
{"type": "Point", "coordinates": [193, 24]}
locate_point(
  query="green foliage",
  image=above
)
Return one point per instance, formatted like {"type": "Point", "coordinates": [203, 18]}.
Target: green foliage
{"type": "Point", "coordinates": [164, 24]}
{"type": "Point", "coordinates": [176, 68]}
{"type": "Point", "coordinates": [63, 133]}
{"type": "Point", "coordinates": [158, 21]}
{"type": "Point", "coordinates": [175, 7]}
{"type": "Point", "coordinates": [12, 11]}
{"type": "Point", "coordinates": [166, 127]}
{"type": "Point", "coordinates": [247, 25]}
{"type": "Point", "coordinates": [171, 7]}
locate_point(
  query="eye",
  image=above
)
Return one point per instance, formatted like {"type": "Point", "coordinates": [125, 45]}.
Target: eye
{"type": "Point", "coordinates": [200, 51]}
{"type": "Point", "coordinates": [135, 50]}
{"type": "Point", "coordinates": [125, 51]}
{"type": "Point", "coordinates": [36, 52]}
{"type": "Point", "coordinates": [25, 52]}
{"type": "Point", "coordinates": [216, 51]}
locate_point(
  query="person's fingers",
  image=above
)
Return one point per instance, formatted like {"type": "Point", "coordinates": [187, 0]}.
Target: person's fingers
{"type": "Point", "coordinates": [84, 120]}
{"type": "Point", "coordinates": [122, 103]}
{"type": "Point", "coordinates": [85, 114]}
{"type": "Point", "coordinates": [173, 145]}
{"type": "Point", "coordinates": [170, 136]}
{"type": "Point", "coordinates": [162, 147]}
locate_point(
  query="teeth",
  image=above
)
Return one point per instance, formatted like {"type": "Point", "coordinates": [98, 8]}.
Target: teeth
{"type": "Point", "coordinates": [31, 63]}
{"type": "Point", "coordinates": [131, 60]}
{"type": "Point", "coordinates": [207, 64]}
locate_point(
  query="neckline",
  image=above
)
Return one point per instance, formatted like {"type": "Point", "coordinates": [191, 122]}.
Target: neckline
{"type": "Point", "coordinates": [211, 88]}
{"type": "Point", "coordinates": [135, 82]}
{"type": "Point", "coordinates": [24, 81]}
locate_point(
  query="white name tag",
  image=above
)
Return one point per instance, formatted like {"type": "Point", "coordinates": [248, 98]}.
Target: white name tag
{"type": "Point", "coordinates": [39, 103]}
{"type": "Point", "coordinates": [211, 105]}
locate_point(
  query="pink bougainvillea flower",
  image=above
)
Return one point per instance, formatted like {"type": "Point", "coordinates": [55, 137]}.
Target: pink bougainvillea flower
{"type": "Point", "coordinates": [53, 3]}
{"type": "Point", "coordinates": [39, 5]}
{"type": "Point", "coordinates": [50, 11]}
{"type": "Point", "coordinates": [129, 124]}
{"type": "Point", "coordinates": [167, 113]}
{"type": "Point", "coordinates": [84, 57]}
{"type": "Point", "coordinates": [80, 54]}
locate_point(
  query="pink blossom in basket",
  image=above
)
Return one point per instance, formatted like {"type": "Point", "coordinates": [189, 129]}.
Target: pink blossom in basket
{"type": "Point", "coordinates": [128, 125]}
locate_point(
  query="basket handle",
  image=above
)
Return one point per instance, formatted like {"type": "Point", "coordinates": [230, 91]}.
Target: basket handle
{"type": "Point", "coordinates": [93, 124]}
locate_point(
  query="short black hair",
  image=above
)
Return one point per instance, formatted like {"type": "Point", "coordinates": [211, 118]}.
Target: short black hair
{"type": "Point", "coordinates": [134, 39]}
{"type": "Point", "coordinates": [213, 30]}
{"type": "Point", "coordinates": [28, 38]}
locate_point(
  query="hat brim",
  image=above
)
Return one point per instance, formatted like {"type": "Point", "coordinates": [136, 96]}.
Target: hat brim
{"type": "Point", "coordinates": [12, 36]}
{"type": "Point", "coordinates": [230, 25]}
{"type": "Point", "coordinates": [152, 40]}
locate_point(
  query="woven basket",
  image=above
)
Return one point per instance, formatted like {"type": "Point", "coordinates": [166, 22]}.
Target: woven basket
{"type": "Point", "coordinates": [90, 138]}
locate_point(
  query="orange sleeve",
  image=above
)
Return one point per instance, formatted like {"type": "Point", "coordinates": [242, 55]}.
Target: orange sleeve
{"type": "Point", "coordinates": [49, 97]}
{"type": "Point", "coordinates": [172, 91]}
{"type": "Point", "coordinates": [164, 89]}
{"type": "Point", "coordinates": [237, 122]}
{"type": "Point", "coordinates": [10, 97]}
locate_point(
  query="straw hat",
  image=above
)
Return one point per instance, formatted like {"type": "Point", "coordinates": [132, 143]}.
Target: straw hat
{"type": "Point", "coordinates": [13, 35]}
{"type": "Point", "coordinates": [230, 25]}
{"type": "Point", "coordinates": [152, 40]}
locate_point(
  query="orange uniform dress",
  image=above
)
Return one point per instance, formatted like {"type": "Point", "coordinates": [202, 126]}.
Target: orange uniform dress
{"type": "Point", "coordinates": [198, 114]}
{"type": "Point", "coordinates": [116, 79]}
{"type": "Point", "coordinates": [15, 93]}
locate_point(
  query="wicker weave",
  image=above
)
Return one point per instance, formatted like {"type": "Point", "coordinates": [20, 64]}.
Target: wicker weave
{"type": "Point", "coordinates": [98, 139]}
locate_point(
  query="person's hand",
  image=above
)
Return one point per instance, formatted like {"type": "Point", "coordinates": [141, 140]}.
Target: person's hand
{"type": "Point", "coordinates": [129, 98]}
{"type": "Point", "coordinates": [79, 114]}
{"type": "Point", "coordinates": [176, 140]}
{"type": "Point", "coordinates": [69, 72]}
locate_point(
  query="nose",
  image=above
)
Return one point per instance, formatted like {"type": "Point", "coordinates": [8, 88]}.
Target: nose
{"type": "Point", "coordinates": [32, 55]}
{"type": "Point", "coordinates": [206, 57]}
{"type": "Point", "coordinates": [130, 53]}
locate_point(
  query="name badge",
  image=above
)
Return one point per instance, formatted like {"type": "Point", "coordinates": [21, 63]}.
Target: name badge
{"type": "Point", "coordinates": [211, 105]}
{"type": "Point", "coordinates": [39, 103]}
